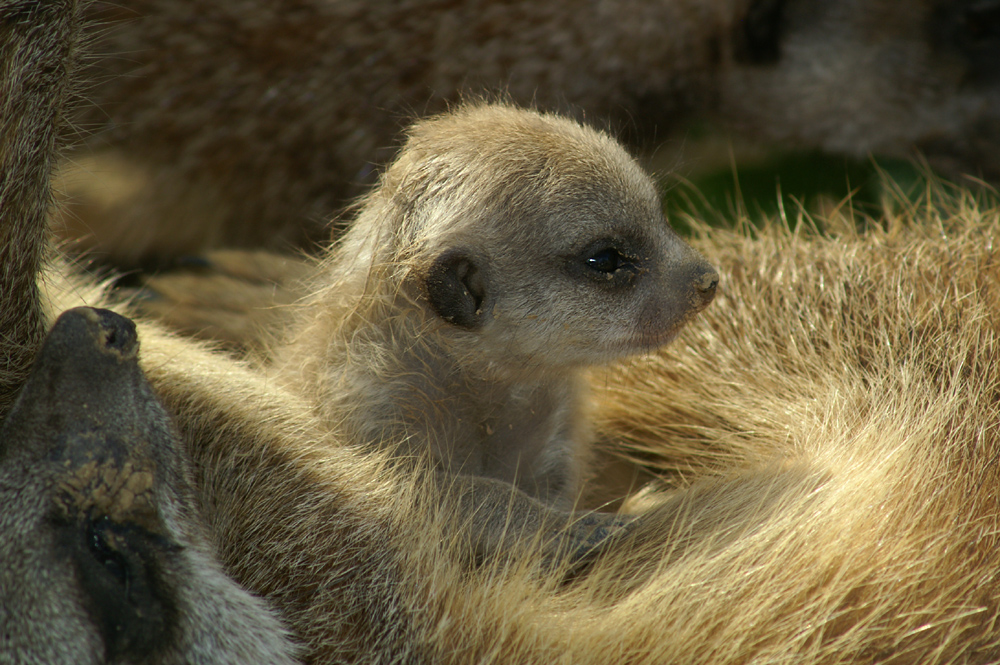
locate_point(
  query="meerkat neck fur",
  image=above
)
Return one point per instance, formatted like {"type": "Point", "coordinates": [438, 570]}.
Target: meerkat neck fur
{"type": "Point", "coordinates": [403, 378]}
{"type": "Point", "coordinates": [503, 252]}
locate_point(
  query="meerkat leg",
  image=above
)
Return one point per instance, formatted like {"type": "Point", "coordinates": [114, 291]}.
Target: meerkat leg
{"type": "Point", "coordinates": [502, 520]}
{"type": "Point", "coordinates": [38, 43]}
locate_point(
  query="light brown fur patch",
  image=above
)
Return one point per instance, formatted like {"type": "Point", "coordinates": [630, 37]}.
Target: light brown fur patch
{"type": "Point", "coordinates": [123, 493]}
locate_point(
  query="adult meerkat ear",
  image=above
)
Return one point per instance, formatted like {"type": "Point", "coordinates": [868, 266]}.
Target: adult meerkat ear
{"type": "Point", "coordinates": [972, 29]}
{"type": "Point", "coordinates": [456, 287]}
{"type": "Point", "coordinates": [758, 35]}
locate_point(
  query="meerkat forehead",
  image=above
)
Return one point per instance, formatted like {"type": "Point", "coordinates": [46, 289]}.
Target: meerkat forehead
{"type": "Point", "coordinates": [509, 173]}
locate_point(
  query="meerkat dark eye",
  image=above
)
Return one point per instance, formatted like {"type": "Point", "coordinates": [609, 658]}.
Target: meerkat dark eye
{"type": "Point", "coordinates": [610, 261]}
{"type": "Point", "coordinates": [120, 570]}
{"type": "Point", "coordinates": [607, 260]}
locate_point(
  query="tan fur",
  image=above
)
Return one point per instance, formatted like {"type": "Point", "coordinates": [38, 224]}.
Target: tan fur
{"type": "Point", "coordinates": [830, 435]}
{"type": "Point", "coordinates": [828, 438]}
{"type": "Point", "coordinates": [236, 298]}
{"type": "Point", "coordinates": [863, 366]}
{"type": "Point", "coordinates": [250, 123]}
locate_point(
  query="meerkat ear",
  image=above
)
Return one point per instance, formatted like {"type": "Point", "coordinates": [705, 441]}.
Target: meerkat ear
{"type": "Point", "coordinates": [456, 287]}
{"type": "Point", "coordinates": [758, 36]}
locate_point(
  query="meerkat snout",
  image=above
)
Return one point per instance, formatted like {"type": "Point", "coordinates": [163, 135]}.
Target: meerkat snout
{"type": "Point", "coordinates": [705, 285]}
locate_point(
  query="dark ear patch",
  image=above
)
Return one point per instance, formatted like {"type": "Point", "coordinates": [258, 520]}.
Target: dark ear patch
{"type": "Point", "coordinates": [972, 29]}
{"type": "Point", "coordinates": [456, 288]}
{"type": "Point", "coordinates": [758, 36]}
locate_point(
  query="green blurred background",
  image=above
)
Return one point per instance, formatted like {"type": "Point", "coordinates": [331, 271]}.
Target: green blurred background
{"type": "Point", "coordinates": [699, 178]}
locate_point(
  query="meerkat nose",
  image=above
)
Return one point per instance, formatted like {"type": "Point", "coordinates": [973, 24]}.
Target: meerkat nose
{"type": "Point", "coordinates": [705, 284]}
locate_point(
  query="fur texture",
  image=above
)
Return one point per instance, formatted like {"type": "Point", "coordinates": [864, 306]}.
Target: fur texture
{"type": "Point", "coordinates": [826, 435]}
{"type": "Point", "coordinates": [824, 441]}
{"type": "Point", "coordinates": [336, 559]}
{"type": "Point", "coordinates": [250, 123]}
{"type": "Point", "coordinates": [37, 56]}
{"type": "Point", "coordinates": [835, 420]}
{"type": "Point", "coordinates": [105, 557]}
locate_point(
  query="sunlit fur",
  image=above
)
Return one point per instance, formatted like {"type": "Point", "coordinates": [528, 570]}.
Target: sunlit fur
{"type": "Point", "coordinates": [834, 419]}
{"type": "Point", "coordinates": [831, 437]}
{"type": "Point", "coordinates": [826, 435]}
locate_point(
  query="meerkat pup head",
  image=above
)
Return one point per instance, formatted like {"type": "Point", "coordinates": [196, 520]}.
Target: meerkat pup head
{"type": "Point", "coordinates": [533, 238]}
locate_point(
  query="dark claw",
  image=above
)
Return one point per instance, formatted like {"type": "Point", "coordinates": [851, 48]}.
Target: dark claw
{"type": "Point", "coordinates": [590, 535]}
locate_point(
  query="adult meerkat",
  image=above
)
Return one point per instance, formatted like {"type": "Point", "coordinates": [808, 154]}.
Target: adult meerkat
{"type": "Point", "coordinates": [105, 556]}
{"type": "Point", "coordinates": [502, 252]}
{"type": "Point", "coordinates": [250, 123]}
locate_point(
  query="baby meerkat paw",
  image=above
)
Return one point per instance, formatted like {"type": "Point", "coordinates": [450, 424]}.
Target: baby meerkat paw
{"type": "Point", "coordinates": [588, 537]}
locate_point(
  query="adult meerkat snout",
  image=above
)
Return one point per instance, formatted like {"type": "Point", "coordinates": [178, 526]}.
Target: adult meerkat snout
{"type": "Point", "coordinates": [502, 252]}
{"type": "Point", "coordinates": [105, 556]}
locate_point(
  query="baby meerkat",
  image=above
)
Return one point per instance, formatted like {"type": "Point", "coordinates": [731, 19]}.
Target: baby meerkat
{"type": "Point", "coordinates": [502, 253]}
